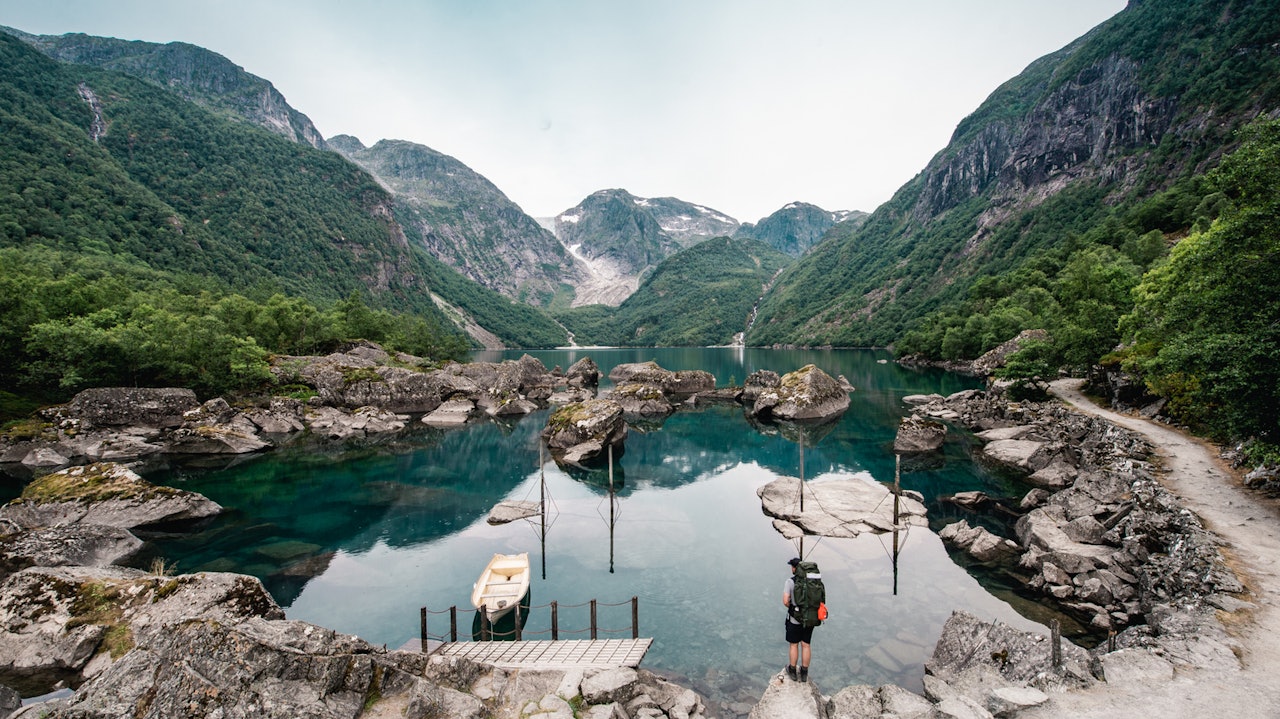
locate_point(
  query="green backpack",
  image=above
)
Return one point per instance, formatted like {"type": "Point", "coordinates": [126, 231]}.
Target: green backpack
{"type": "Point", "coordinates": [808, 595]}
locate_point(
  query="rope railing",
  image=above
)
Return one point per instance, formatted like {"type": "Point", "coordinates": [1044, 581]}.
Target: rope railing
{"type": "Point", "coordinates": [487, 631]}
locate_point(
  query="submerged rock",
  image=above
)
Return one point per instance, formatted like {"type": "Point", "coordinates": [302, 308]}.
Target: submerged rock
{"type": "Point", "coordinates": [836, 508]}
{"type": "Point", "coordinates": [917, 434]}
{"type": "Point", "coordinates": [513, 509]}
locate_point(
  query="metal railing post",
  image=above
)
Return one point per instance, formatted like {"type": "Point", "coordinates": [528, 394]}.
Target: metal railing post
{"type": "Point", "coordinates": [555, 620]}
{"type": "Point", "coordinates": [453, 623]}
{"type": "Point", "coordinates": [593, 619]}
{"type": "Point", "coordinates": [422, 636]}
{"type": "Point", "coordinates": [635, 617]}
{"type": "Point", "coordinates": [519, 638]}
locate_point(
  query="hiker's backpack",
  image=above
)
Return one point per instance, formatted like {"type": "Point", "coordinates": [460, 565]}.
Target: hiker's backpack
{"type": "Point", "coordinates": [808, 595]}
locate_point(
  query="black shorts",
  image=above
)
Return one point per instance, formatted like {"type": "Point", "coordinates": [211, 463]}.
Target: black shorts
{"type": "Point", "coordinates": [797, 634]}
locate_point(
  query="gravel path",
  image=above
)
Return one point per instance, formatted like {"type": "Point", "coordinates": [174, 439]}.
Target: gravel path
{"type": "Point", "coordinates": [1249, 527]}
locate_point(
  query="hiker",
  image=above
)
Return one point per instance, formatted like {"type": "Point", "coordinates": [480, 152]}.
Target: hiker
{"type": "Point", "coordinates": [798, 636]}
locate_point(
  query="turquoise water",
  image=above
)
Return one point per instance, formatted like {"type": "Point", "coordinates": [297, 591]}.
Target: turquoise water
{"type": "Point", "coordinates": [359, 539]}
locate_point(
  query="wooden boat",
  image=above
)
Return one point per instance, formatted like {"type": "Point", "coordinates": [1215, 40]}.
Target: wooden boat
{"type": "Point", "coordinates": [504, 581]}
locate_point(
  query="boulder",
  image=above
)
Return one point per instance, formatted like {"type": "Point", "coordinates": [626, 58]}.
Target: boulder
{"type": "Point", "coordinates": [57, 620]}
{"type": "Point", "coordinates": [1016, 453]}
{"type": "Point", "coordinates": [336, 424]}
{"type": "Point", "coordinates": [917, 434]}
{"type": "Point", "coordinates": [610, 685]}
{"type": "Point", "coordinates": [284, 416]}
{"type": "Point", "coordinates": [919, 400]}
{"type": "Point", "coordinates": [131, 406]}
{"type": "Point", "coordinates": [216, 428]}
{"type": "Point", "coordinates": [510, 510]}
{"type": "Point", "coordinates": [787, 699]}
{"type": "Point", "coordinates": [451, 413]}
{"type": "Point", "coordinates": [261, 668]}
{"type": "Point", "coordinates": [579, 433]}
{"type": "Point", "coordinates": [1019, 658]}
{"type": "Point", "coordinates": [10, 701]}
{"type": "Point", "coordinates": [87, 545]}
{"type": "Point", "coordinates": [836, 508]}
{"type": "Point", "coordinates": [104, 493]}
{"type": "Point", "coordinates": [678, 385]}
{"type": "Point", "coordinates": [641, 400]}
{"type": "Point", "coordinates": [978, 542]}
{"type": "Point", "coordinates": [756, 383]}
{"type": "Point", "coordinates": [583, 374]}
{"type": "Point", "coordinates": [808, 394]}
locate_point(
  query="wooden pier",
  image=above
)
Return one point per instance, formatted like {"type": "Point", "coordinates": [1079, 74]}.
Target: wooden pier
{"type": "Point", "coordinates": [553, 653]}
{"type": "Point", "coordinates": [548, 654]}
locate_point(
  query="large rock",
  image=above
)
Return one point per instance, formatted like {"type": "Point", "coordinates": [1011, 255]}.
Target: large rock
{"type": "Point", "coordinates": [808, 394]}
{"type": "Point", "coordinates": [104, 493]}
{"type": "Point", "coordinates": [583, 374]}
{"type": "Point", "coordinates": [679, 385]}
{"type": "Point", "coordinates": [56, 620]}
{"type": "Point", "coordinates": [580, 433]}
{"type": "Point", "coordinates": [131, 406]}
{"type": "Point", "coordinates": [916, 434]}
{"type": "Point", "coordinates": [867, 702]}
{"type": "Point", "coordinates": [787, 699]}
{"type": "Point", "coordinates": [216, 428]}
{"type": "Point", "coordinates": [836, 508]}
{"type": "Point", "coordinates": [969, 644]}
{"type": "Point", "coordinates": [641, 400]}
{"type": "Point", "coordinates": [89, 545]}
{"type": "Point", "coordinates": [264, 669]}
{"type": "Point", "coordinates": [978, 542]}
{"type": "Point", "coordinates": [336, 424]}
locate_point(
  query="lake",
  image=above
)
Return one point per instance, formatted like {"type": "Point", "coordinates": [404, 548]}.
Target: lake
{"type": "Point", "coordinates": [359, 539]}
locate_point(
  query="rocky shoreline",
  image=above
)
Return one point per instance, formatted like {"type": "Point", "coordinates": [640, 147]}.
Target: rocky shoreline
{"type": "Point", "coordinates": [1097, 534]}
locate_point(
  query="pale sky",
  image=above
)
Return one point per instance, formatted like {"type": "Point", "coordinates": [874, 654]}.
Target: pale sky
{"type": "Point", "coordinates": [739, 105]}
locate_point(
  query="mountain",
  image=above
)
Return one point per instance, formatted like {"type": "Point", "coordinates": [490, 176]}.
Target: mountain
{"type": "Point", "coordinates": [798, 226]}
{"type": "Point", "coordinates": [622, 237]}
{"type": "Point", "coordinates": [700, 296]}
{"type": "Point", "coordinates": [1099, 143]}
{"type": "Point", "coordinates": [467, 222]}
{"type": "Point", "coordinates": [193, 73]}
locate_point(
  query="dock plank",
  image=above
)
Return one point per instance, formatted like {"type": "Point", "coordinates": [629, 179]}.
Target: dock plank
{"type": "Point", "coordinates": [547, 654]}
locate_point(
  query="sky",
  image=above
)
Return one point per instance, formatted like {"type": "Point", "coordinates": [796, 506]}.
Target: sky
{"type": "Point", "coordinates": [740, 105]}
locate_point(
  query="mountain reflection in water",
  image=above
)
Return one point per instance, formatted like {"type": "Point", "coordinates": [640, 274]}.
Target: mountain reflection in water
{"type": "Point", "coordinates": [359, 540]}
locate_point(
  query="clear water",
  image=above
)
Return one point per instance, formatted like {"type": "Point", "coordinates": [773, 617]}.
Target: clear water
{"type": "Point", "coordinates": [359, 539]}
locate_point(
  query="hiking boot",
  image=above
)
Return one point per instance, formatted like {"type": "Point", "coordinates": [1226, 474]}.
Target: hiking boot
{"type": "Point", "coordinates": [791, 672]}
{"type": "Point", "coordinates": [804, 674]}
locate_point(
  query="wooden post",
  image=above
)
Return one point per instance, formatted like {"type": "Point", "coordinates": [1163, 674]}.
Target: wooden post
{"type": "Point", "coordinates": [423, 630]}
{"type": "Point", "coordinates": [635, 617]}
{"type": "Point", "coordinates": [486, 629]}
{"type": "Point", "coordinates": [1055, 629]}
{"type": "Point", "coordinates": [897, 485]}
{"type": "Point", "coordinates": [593, 619]}
{"type": "Point", "coordinates": [802, 477]}
{"type": "Point", "coordinates": [518, 632]}
{"type": "Point", "coordinates": [555, 620]}
{"type": "Point", "coordinates": [453, 623]}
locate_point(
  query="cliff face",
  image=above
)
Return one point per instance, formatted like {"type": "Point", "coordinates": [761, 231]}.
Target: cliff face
{"type": "Point", "coordinates": [1148, 97]}
{"type": "Point", "coordinates": [466, 221]}
{"type": "Point", "coordinates": [194, 73]}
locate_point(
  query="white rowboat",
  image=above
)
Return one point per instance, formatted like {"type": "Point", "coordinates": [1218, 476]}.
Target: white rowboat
{"type": "Point", "coordinates": [502, 584]}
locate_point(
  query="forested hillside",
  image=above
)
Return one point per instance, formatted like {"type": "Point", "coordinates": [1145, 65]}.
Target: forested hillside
{"type": "Point", "coordinates": [193, 73]}
{"type": "Point", "coordinates": [1055, 205]}
{"type": "Point", "coordinates": [128, 213]}
{"type": "Point", "coordinates": [697, 297]}
{"type": "Point", "coordinates": [1080, 142]}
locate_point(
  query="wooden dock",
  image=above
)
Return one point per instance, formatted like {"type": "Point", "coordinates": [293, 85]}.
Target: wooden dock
{"type": "Point", "coordinates": [561, 654]}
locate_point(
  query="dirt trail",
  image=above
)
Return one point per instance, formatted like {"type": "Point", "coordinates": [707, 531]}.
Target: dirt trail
{"type": "Point", "coordinates": [1249, 527]}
